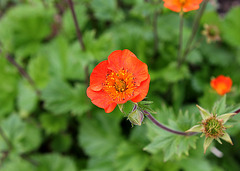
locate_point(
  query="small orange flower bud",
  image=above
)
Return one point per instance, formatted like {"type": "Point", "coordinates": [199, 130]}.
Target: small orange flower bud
{"type": "Point", "coordinates": [221, 84]}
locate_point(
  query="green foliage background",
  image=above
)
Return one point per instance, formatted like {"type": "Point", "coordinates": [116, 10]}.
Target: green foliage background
{"type": "Point", "coordinates": [60, 129]}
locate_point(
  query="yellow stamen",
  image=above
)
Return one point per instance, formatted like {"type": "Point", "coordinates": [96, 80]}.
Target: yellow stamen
{"type": "Point", "coordinates": [120, 85]}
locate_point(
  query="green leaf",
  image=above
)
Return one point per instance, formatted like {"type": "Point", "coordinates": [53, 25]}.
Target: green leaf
{"type": "Point", "coordinates": [217, 55]}
{"type": "Point", "coordinates": [160, 142]}
{"type": "Point", "coordinates": [23, 137]}
{"type": "Point", "coordinates": [109, 10]}
{"type": "Point", "coordinates": [219, 106]}
{"type": "Point", "coordinates": [38, 69]}
{"type": "Point", "coordinates": [53, 124]}
{"type": "Point", "coordinates": [8, 86]}
{"type": "Point", "coordinates": [54, 162]}
{"type": "Point", "coordinates": [56, 52]}
{"type": "Point", "coordinates": [26, 99]}
{"type": "Point", "coordinates": [18, 28]}
{"type": "Point", "coordinates": [61, 143]}
{"type": "Point", "coordinates": [207, 143]}
{"type": "Point", "coordinates": [194, 57]}
{"type": "Point", "coordinates": [171, 73]}
{"type": "Point", "coordinates": [226, 138]}
{"type": "Point", "coordinates": [98, 136]}
{"type": "Point", "coordinates": [51, 162]}
{"type": "Point", "coordinates": [196, 128]}
{"type": "Point", "coordinates": [211, 18]}
{"type": "Point", "coordinates": [130, 157]}
{"type": "Point", "coordinates": [231, 26]}
{"type": "Point", "coordinates": [209, 98]}
{"type": "Point", "coordinates": [204, 113]}
{"type": "Point", "coordinates": [98, 47]}
{"type": "Point", "coordinates": [19, 163]}
{"type": "Point", "coordinates": [171, 144]}
{"type": "Point", "coordinates": [168, 32]}
{"type": "Point", "coordinates": [61, 98]}
{"type": "Point", "coordinates": [225, 117]}
{"type": "Point", "coordinates": [101, 163]}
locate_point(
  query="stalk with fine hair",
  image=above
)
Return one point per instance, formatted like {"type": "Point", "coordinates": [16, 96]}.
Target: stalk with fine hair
{"type": "Point", "coordinates": [151, 118]}
{"type": "Point", "coordinates": [22, 72]}
{"type": "Point", "coordinates": [194, 31]}
{"type": "Point", "coordinates": [180, 38]}
{"type": "Point", "coordinates": [79, 33]}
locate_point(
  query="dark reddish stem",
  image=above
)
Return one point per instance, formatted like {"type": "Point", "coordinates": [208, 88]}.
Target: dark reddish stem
{"type": "Point", "coordinates": [79, 33]}
{"type": "Point", "coordinates": [166, 128]}
{"type": "Point", "coordinates": [237, 111]}
{"type": "Point", "coordinates": [22, 72]}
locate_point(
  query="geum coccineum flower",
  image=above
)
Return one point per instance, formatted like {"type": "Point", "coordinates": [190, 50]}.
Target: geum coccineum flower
{"type": "Point", "coordinates": [212, 127]}
{"type": "Point", "coordinates": [121, 78]}
{"type": "Point", "coordinates": [221, 84]}
{"type": "Point", "coordinates": [182, 5]}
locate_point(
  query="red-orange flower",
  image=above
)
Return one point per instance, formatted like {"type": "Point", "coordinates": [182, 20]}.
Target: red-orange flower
{"type": "Point", "coordinates": [182, 5]}
{"type": "Point", "coordinates": [221, 84]}
{"type": "Point", "coordinates": [121, 78]}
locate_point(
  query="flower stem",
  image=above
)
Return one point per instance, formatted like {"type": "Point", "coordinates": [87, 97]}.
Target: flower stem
{"type": "Point", "coordinates": [151, 118]}
{"type": "Point", "coordinates": [22, 72]}
{"type": "Point", "coordinates": [237, 111]}
{"type": "Point", "coordinates": [194, 31]}
{"type": "Point", "coordinates": [180, 38]}
{"type": "Point", "coordinates": [79, 33]}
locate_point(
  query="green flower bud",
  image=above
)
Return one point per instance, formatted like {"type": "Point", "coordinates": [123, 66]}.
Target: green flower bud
{"type": "Point", "coordinates": [136, 117]}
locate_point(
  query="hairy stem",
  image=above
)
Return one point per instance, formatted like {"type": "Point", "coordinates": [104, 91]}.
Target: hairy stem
{"type": "Point", "coordinates": [22, 72]}
{"type": "Point", "coordinates": [155, 33]}
{"type": "Point", "coordinates": [79, 33]}
{"type": "Point", "coordinates": [237, 111]}
{"type": "Point", "coordinates": [194, 30]}
{"type": "Point", "coordinates": [151, 118]}
{"type": "Point", "coordinates": [180, 38]}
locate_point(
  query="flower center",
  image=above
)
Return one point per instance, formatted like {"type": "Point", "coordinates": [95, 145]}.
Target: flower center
{"type": "Point", "coordinates": [213, 127]}
{"type": "Point", "coordinates": [221, 87]}
{"type": "Point", "coordinates": [212, 32]}
{"type": "Point", "coordinates": [120, 85]}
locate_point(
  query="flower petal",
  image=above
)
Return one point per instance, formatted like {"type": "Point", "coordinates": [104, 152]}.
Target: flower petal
{"type": "Point", "coordinates": [101, 99]}
{"type": "Point", "coordinates": [142, 90]}
{"type": "Point", "coordinates": [221, 84]}
{"type": "Point", "coordinates": [110, 107]}
{"type": "Point", "coordinates": [191, 5]}
{"type": "Point", "coordinates": [98, 76]}
{"type": "Point", "coordinates": [177, 5]}
{"type": "Point", "coordinates": [173, 5]}
{"type": "Point", "coordinates": [127, 60]}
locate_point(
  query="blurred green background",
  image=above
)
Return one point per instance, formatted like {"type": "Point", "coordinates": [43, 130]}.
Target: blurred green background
{"type": "Point", "coordinates": [57, 128]}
